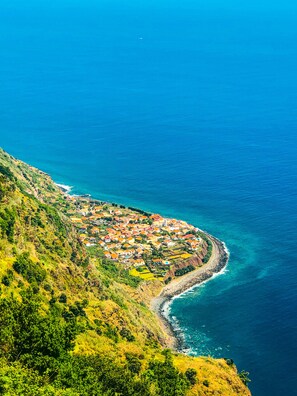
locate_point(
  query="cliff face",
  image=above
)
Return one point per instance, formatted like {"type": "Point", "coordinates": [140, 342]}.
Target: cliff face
{"type": "Point", "coordinates": [191, 263]}
{"type": "Point", "coordinates": [73, 322]}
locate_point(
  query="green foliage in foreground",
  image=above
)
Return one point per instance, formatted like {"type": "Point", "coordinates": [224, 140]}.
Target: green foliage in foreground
{"type": "Point", "coordinates": [38, 340]}
{"type": "Point", "coordinates": [35, 358]}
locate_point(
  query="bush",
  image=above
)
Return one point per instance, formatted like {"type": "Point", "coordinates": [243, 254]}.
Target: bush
{"type": "Point", "coordinates": [77, 309]}
{"type": "Point", "coordinates": [112, 332]}
{"type": "Point", "coordinates": [31, 271]}
{"type": "Point", "coordinates": [56, 220]}
{"type": "Point", "coordinates": [126, 333]}
{"type": "Point", "coordinates": [191, 375]}
{"type": "Point", "coordinates": [47, 287]}
{"type": "Point", "coordinates": [7, 278]}
{"type": "Point", "coordinates": [6, 281]}
{"type": "Point", "coordinates": [63, 298]}
{"type": "Point", "coordinates": [133, 363]}
{"type": "Point", "coordinates": [5, 171]}
{"type": "Point", "coordinates": [185, 270]}
{"type": "Point", "coordinates": [243, 375]}
{"type": "Point", "coordinates": [7, 222]}
{"type": "Point", "coordinates": [169, 380]}
{"type": "Point", "coordinates": [230, 362]}
{"type": "Point", "coordinates": [209, 251]}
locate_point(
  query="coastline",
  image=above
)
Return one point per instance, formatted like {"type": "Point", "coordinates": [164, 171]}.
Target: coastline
{"type": "Point", "coordinates": [159, 304]}
{"type": "Point", "coordinates": [217, 262]}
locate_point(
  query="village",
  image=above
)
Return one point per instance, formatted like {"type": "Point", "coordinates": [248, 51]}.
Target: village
{"type": "Point", "coordinates": [144, 243]}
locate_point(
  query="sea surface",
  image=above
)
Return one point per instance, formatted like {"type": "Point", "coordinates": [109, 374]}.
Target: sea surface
{"type": "Point", "coordinates": [186, 108]}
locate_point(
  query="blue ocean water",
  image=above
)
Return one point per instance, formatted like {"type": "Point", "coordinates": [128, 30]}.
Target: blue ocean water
{"type": "Point", "coordinates": [184, 108]}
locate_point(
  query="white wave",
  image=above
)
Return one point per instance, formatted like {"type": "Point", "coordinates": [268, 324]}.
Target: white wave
{"type": "Point", "coordinates": [173, 320]}
{"type": "Point", "coordinates": [199, 285]}
{"type": "Point", "coordinates": [226, 249]}
{"type": "Point", "coordinates": [65, 187]}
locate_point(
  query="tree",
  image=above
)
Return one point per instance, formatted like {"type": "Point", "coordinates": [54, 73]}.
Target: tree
{"type": "Point", "coordinates": [169, 380]}
{"type": "Point", "coordinates": [133, 363]}
{"type": "Point", "coordinates": [191, 375]}
{"type": "Point", "coordinates": [63, 298]}
{"type": "Point", "coordinates": [36, 339]}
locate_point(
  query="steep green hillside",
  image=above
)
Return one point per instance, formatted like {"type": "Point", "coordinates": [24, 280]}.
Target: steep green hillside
{"type": "Point", "coordinates": [73, 322]}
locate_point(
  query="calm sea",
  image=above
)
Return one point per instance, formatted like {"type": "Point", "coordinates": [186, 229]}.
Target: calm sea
{"type": "Point", "coordinates": [188, 108]}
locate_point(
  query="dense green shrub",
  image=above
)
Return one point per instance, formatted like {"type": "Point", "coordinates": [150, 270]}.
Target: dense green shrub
{"type": "Point", "coordinates": [111, 332]}
{"type": "Point", "coordinates": [55, 218]}
{"type": "Point", "coordinates": [133, 363]}
{"type": "Point", "coordinates": [126, 333]}
{"type": "Point", "coordinates": [77, 309]}
{"type": "Point", "coordinates": [169, 380]}
{"type": "Point", "coordinates": [244, 376]}
{"type": "Point", "coordinates": [185, 270]}
{"type": "Point", "coordinates": [6, 281]}
{"type": "Point", "coordinates": [47, 287]}
{"type": "Point", "coordinates": [209, 251]}
{"type": "Point", "coordinates": [7, 278]}
{"type": "Point", "coordinates": [31, 271]}
{"type": "Point", "coordinates": [7, 223]}
{"type": "Point", "coordinates": [5, 171]}
{"type": "Point", "coordinates": [26, 335]}
{"type": "Point", "coordinates": [191, 375]}
{"type": "Point", "coordinates": [63, 298]}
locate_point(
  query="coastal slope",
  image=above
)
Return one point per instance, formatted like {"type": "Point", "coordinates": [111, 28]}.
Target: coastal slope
{"type": "Point", "coordinates": [73, 322]}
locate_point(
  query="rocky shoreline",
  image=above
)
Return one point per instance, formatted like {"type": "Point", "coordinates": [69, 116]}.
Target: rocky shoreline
{"type": "Point", "coordinates": [159, 304]}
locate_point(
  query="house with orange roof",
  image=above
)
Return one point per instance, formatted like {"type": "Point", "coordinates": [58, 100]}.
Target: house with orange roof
{"type": "Point", "coordinates": [139, 262]}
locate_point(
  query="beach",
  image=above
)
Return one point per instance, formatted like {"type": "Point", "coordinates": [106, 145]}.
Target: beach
{"type": "Point", "coordinates": [159, 304]}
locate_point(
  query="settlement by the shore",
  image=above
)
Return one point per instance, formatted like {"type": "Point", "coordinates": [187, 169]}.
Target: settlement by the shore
{"type": "Point", "coordinates": [151, 247]}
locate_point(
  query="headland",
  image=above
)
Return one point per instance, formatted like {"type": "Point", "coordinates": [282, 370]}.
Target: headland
{"type": "Point", "coordinates": [173, 252]}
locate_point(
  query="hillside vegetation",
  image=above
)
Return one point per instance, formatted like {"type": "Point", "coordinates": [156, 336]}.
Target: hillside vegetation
{"type": "Point", "coordinates": [74, 323]}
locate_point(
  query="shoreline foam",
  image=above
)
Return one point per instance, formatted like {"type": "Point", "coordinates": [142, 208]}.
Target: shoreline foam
{"type": "Point", "coordinates": [64, 187]}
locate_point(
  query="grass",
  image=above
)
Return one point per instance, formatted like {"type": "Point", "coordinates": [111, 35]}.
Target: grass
{"type": "Point", "coordinates": [220, 379]}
